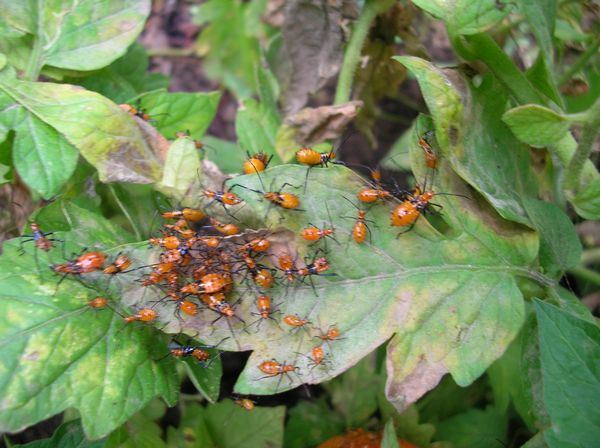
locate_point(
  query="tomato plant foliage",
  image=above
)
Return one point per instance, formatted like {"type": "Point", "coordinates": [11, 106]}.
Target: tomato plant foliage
{"type": "Point", "coordinates": [454, 295]}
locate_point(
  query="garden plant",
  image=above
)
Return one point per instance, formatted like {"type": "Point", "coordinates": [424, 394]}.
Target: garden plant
{"type": "Point", "coordinates": [301, 279]}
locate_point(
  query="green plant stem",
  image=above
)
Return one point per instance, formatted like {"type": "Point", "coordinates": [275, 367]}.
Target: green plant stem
{"type": "Point", "coordinates": [486, 50]}
{"type": "Point", "coordinates": [589, 133]}
{"type": "Point", "coordinates": [352, 54]}
{"type": "Point", "coordinates": [579, 63]}
{"type": "Point", "coordinates": [590, 256]}
{"type": "Point", "coordinates": [34, 64]}
{"type": "Point", "coordinates": [585, 274]}
{"type": "Point", "coordinates": [138, 235]}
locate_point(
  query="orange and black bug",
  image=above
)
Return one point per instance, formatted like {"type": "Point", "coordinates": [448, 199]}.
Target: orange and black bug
{"type": "Point", "coordinates": [311, 158]}
{"type": "Point", "coordinates": [360, 229]}
{"type": "Point", "coordinates": [40, 239]}
{"type": "Point", "coordinates": [431, 159]}
{"type": "Point", "coordinates": [143, 315]}
{"type": "Point", "coordinates": [265, 311]}
{"type": "Point", "coordinates": [281, 199]}
{"type": "Point", "coordinates": [288, 266]}
{"type": "Point", "coordinates": [135, 111]}
{"type": "Point", "coordinates": [84, 264]}
{"type": "Point", "coordinates": [316, 358]}
{"type": "Point", "coordinates": [197, 352]}
{"type": "Point", "coordinates": [189, 214]}
{"type": "Point", "coordinates": [121, 264]}
{"type": "Point", "coordinates": [168, 242]}
{"type": "Point", "coordinates": [317, 267]}
{"type": "Point", "coordinates": [256, 162]}
{"type": "Point", "coordinates": [369, 195]}
{"type": "Point", "coordinates": [245, 403]}
{"type": "Point", "coordinates": [197, 143]}
{"type": "Point", "coordinates": [416, 203]}
{"type": "Point", "coordinates": [226, 229]}
{"type": "Point", "coordinates": [256, 245]}
{"type": "Point", "coordinates": [273, 368]}
{"type": "Point", "coordinates": [331, 334]}
{"type": "Point", "coordinates": [182, 228]}
{"type": "Point", "coordinates": [208, 284]}
{"type": "Point", "coordinates": [315, 234]}
{"type": "Point", "coordinates": [296, 322]}
{"type": "Point", "coordinates": [99, 303]}
{"type": "Point", "coordinates": [264, 278]}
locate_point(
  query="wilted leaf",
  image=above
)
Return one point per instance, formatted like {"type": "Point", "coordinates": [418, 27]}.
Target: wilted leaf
{"type": "Point", "coordinates": [103, 133]}
{"type": "Point", "coordinates": [313, 38]}
{"type": "Point", "coordinates": [570, 349]}
{"type": "Point", "coordinates": [124, 79]}
{"type": "Point", "coordinates": [536, 125]}
{"type": "Point", "coordinates": [79, 357]}
{"type": "Point", "coordinates": [428, 288]}
{"type": "Point", "coordinates": [484, 153]}
{"type": "Point", "coordinates": [76, 35]}
{"type": "Point", "coordinates": [313, 125]}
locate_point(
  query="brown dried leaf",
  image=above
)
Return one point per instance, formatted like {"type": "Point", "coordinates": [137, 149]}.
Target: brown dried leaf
{"type": "Point", "coordinates": [322, 123]}
{"type": "Point", "coordinates": [313, 36]}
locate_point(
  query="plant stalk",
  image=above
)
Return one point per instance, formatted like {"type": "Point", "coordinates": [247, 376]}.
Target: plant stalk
{"type": "Point", "coordinates": [34, 64]}
{"type": "Point", "coordinates": [488, 51]}
{"type": "Point", "coordinates": [579, 63]}
{"type": "Point", "coordinates": [589, 133]}
{"type": "Point", "coordinates": [352, 54]}
{"type": "Point", "coordinates": [590, 256]}
{"type": "Point", "coordinates": [585, 274]}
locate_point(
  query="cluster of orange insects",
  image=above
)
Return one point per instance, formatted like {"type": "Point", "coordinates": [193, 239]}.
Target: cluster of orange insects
{"type": "Point", "coordinates": [202, 259]}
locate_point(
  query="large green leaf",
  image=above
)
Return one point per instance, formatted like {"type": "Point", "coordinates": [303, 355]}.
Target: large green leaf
{"type": "Point", "coordinates": [357, 407]}
{"type": "Point", "coordinates": [570, 349]}
{"type": "Point", "coordinates": [226, 425]}
{"type": "Point", "coordinates": [181, 111]}
{"type": "Point", "coordinates": [59, 353]}
{"type": "Point", "coordinates": [481, 148]}
{"type": "Point", "coordinates": [182, 169]}
{"type": "Point", "coordinates": [43, 158]}
{"type": "Point", "coordinates": [229, 42]}
{"type": "Point", "coordinates": [450, 298]}
{"type": "Point", "coordinates": [84, 35]}
{"type": "Point", "coordinates": [104, 134]}
{"type": "Point", "coordinates": [465, 16]}
{"type": "Point", "coordinates": [311, 422]}
{"type": "Point", "coordinates": [475, 428]}
{"type": "Point", "coordinates": [536, 125]}
{"type": "Point", "coordinates": [560, 248]}
{"type": "Point", "coordinates": [256, 127]}
{"type": "Point", "coordinates": [508, 382]}
{"type": "Point", "coordinates": [124, 79]}
{"type": "Point", "coordinates": [68, 435]}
